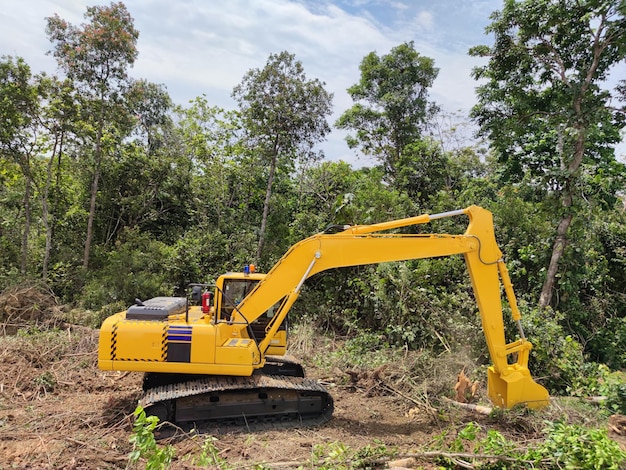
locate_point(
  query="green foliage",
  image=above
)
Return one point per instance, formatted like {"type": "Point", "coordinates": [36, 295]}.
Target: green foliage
{"type": "Point", "coordinates": [102, 51]}
{"type": "Point", "coordinates": [391, 104]}
{"type": "Point", "coordinates": [544, 106]}
{"type": "Point", "coordinates": [427, 304]}
{"type": "Point", "coordinates": [568, 446]}
{"type": "Point", "coordinates": [66, 279]}
{"type": "Point", "coordinates": [284, 114]}
{"type": "Point", "coordinates": [364, 349]}
{"type": "Point", "coordinates": [320, 189]}
{"type": "Point", "coordinates": [595, 267]}
{"type": "Point", "coordinates": [46, 381]}
{"type": "Point", "coordinates": [144, 190]}
{"type": "Point", "coordinates": [19, 142]}
{"type": "Point", "coordinates": [330, 456]}
{"type": "Point", "coordinates": [338, 456]}
{"type": "Point", "coordinates": [494, 443]}
{"type": "Point", "coordinates": [201, 255]}
{"type": "Point", "coordinates": [523, 230]}
{"type": "Point", "coordinates": [613, 386]}
{"type": "Point", "coordinates": [468, 433]}
{"type": "Point", "coordinates": [472, 439]}
{"type": "Point", "coordinates": [556, 356]}
{"type": "Point", "coordinates": [96, 58]}
{"type": "Point", "coordinates": [144, 444]}
{"type": "Point", "coordinates": [542, 91]}
{"type": "Point", "coordinates": [616, 397]}
{"type": "Point", "coordinates": [575, 446]}
{"type": "Point", "coordinates": [422, 171]}
{"type": "Point", "coordinates": [283, 110]}
{"type": "Point", "coordinates": [210, 455]}
{"type": "Point", "coordinates": [136, 268]}
{"type": "Point", "coordinates": [95, 321]}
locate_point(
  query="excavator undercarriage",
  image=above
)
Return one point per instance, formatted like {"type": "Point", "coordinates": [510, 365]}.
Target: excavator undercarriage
{"type": "Point", "coordinates": [277, 393]}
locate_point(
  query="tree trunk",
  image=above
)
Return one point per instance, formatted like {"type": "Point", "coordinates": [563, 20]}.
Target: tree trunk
{"type": "Point", "coordinates": [560, 242]}
{"type": "Point", "coordinates": [557, 251]}
{"type": "Point", "coordinates": [266, 209]}
{"type": "Point", "coordinates": [45, 206]}
{"type": "Point", "coordinates": [26, 224]}
{"type": "Point", "coordinates": [94, 192]}
{"type": "Point", "coordinates": [92, 212]}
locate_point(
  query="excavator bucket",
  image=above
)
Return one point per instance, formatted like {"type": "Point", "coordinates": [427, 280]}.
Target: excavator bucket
{"type": "Point", "coordinates": [515, 386]}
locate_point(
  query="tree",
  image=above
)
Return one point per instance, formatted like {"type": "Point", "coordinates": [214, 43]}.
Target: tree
{"type": "Point", "coordinates": [150, 104]}
{"type": "Point", "coordinates": [96, 57]}
{"type": "Point", "coordinates": [542, 104]}
{"type": "Point", "coordinates": [147, 179]}
{"type": "Point", "coordinates": [391, 107]}
{"type": "Point", "coordinates": [422, 170]}
{"type": "Point", "coordinates": [209, 137]}
{"type": "Point", "coordinates": [58, 116]}
{"type": "Point", "coordinates": [284, 116]}
{"type": "Point", "coordinates": [19, 108]}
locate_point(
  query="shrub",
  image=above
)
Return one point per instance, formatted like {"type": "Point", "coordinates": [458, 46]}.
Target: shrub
{"type": "Point", "coordinates": [575, 446]}
{"type": "Point", "coordinates": [136, 268]}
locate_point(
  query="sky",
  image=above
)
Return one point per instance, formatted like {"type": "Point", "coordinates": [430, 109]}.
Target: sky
{"type": "Point", "coordinates": [205, 47]}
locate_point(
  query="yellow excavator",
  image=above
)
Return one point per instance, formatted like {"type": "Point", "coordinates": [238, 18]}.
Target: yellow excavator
{"type": "Point", "coordinates": [220, 353]}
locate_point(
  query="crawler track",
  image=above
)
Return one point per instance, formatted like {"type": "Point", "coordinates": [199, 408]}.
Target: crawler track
{"type": "Point", "coordinates": [277, 395]}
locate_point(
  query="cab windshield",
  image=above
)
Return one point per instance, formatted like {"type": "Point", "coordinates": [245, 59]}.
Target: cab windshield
{"type": "Point", "coordinates": [234, 291]}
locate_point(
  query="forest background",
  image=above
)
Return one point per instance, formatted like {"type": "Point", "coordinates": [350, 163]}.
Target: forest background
{"type": "Point", "coordinates": [111, 192]}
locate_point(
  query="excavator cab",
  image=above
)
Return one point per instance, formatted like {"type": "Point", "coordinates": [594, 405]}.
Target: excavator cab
{"type": "Point", "coordinates": [230, 290]}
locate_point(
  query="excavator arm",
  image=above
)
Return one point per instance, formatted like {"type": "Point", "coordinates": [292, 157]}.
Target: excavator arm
{"type": "Point", "coordinates": [509, 380]}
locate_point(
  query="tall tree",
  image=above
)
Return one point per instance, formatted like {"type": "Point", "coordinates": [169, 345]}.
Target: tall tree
{"type": "Point", "coordinates": [391, 106]}
{"type": "Point", "coordinates": [150, 104]}
{"type": "Point", "coordinates": [146, 184]}
{"type": "Point", "coordinates": [284, 114]}
{"type": "Point", "coordinates": [19, 107]}
{"type": "Point", "coordinates": [542, 103]}
{"type": "Point", "coordinates": [96, 56]}
{"type": "Point", "coordinates": [57, 118]}
{"type": "Point", "coordinates": [211, 139]}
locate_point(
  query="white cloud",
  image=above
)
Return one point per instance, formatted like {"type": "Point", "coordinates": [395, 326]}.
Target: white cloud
{"type": "Point", "coordinates": [424, 21]}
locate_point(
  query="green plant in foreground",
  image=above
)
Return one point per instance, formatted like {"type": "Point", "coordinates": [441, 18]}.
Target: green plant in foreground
{"type": "Point", "coordinates": [575, 446]}
{"type": "Point", "coordinates": [210, 455]}
{"type": "Point", "coordinates": [46, 382]}
{"type": "Point", "coordinates": [338, 456]}
{"type": "Point", "coordinates": [144, 443]}
{"type": "Point", "coordinates": [566, 446]}
{"type": "Point", "coordinates": [612, 385]}
{"type": "Point", "coordinates": [366, 456]}
{"type": "Point", "coordinates": [335, 455]}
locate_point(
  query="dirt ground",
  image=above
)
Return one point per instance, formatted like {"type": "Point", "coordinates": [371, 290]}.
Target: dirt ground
{"type": "Point", "coordinates": [58, 410]}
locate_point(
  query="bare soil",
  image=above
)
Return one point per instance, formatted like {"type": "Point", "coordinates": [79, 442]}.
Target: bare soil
{"type": "Point", "coordinates": [58, 410]}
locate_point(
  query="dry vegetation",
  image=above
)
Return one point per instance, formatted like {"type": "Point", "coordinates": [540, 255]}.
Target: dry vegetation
{"type": "Point", "coordinates": [57, 410]}
{"type": "Point", "coordinates": [28, 306]}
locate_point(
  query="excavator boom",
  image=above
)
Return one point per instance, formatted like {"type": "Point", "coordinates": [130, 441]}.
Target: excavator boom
{"type": "Point", "coordinates": [508, 383]}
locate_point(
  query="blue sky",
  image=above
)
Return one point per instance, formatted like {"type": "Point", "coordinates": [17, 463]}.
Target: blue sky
{"type": "Point", "coordinates": [204, 47]}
